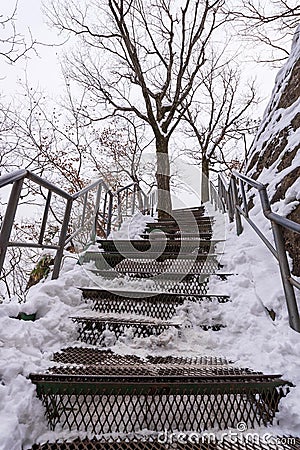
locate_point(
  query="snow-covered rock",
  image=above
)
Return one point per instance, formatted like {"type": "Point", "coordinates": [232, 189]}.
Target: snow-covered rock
{"type": "Point", "coordinates": [275, 156]}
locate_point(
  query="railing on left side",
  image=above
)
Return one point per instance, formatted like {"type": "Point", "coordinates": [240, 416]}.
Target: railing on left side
{"type": "Point", "coordinates": [17, 179]}
{"type": "Point", "coordinates": [235, 198]}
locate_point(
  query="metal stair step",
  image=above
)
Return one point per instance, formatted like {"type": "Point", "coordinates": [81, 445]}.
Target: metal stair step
{"type": "Point", "coordinates": [92, 330]}
{"type": "Point", "coordinates": [158, 443]}
{"type": "Point", "coordinates": [203, 228]}
{"type": "Point", "coordinates": [196, 209]}
{"type": "Point", "coordinates": [186, 217]}
{"type": "Point", "coordinates": [161, 305]}
{"type": "Point", "coordinates": [161, 274]}
{"type": "Point", "coordinates": [158, 245]}
{"type": "Point", "coordinates": [179, 235]}
{"type": "Point", "coordinates": [175, 230]}
{"type": "Point", "coordinates": [172, 282]}
{"type": "Point", "coordinates": [183, 220]}
{"type": "Point", "coordinates": [194, 263]}
{"type": "Point", "coordinates": [184, 225]}
{"type": "Point", "coordinates": [149, 255]}
{"type": "Point", "coordinates": [128, 398]}
{"type": "Point", "coordinates": [93, 356]}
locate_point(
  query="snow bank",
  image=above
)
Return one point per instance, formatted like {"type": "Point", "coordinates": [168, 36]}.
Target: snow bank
{"type": "Point", "coordinates": [250, 338]}
{"type": "Point", "coordinates": [132, 228]}
{"type": "Point", "coordinates": [26, 347]}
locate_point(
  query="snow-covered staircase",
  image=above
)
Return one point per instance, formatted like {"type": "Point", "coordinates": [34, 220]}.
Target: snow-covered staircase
{"type": "Point", "coordinates": [93, 389]}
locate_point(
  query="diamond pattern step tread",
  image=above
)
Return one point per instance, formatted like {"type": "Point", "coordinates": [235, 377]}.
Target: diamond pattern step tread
{"type": "Point", "coordinates": [120, 294]}
{"type": "Point", "coordinates": [154, 245]}
{"type": "Point", "coordinates": [148, 255]}
{"type": "Point", "coordinates": [127, 320]}
{"type": "Point", "coordinates": [94, 330]}
{"type": "Point", "coordinates": [140, 272]}
{"type": "Point", "coordinates": [92, 326]}
{"type": "Point", "coordinates": [162, 305]}
{"type": "Point", "coordinates": [180, 236]}
{"type": "Point", "coordinates": [196, 442]}
{"type": "Point", "coordinates": [95, 356]}
{"type": "Point", "coordinates": [123, 402]}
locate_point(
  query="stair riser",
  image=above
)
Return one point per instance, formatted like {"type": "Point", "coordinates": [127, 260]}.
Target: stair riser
{"type": "Point", "coordinates": [199, 265]}
{"type": "Point", "coordinates": [159, 247]}
{"type": "Point", "coordinates": [92, 332]}
{"type": "Point", "coordinates": [145, 306]}
{"type": "Point", "coordinates": [109, 408]}
{"type": "Point", "coordinates": [190, 285]}
{"type": "Point", "coordinates": [169, 441]}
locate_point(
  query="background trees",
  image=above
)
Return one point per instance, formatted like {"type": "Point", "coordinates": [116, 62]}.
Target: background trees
{"type": "Point", "coordinates": [143, 59]}
{"type": "Point", "coordinates": [270, 24]}
{"type": "Point", "coordinates": [13, 45]}
{"type": "Point", "coordinates": [149, 70]}
{"type": "Point", "coordinates": [218, 118]}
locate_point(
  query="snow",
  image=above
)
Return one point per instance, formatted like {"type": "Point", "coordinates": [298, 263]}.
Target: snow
{"type": "Point", "coordinates": [132, 227]}
{"type": "Point", "coordinates": [250, 338]}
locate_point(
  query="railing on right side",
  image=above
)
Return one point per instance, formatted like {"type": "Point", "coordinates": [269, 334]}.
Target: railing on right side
{"type": "Point", "coordinates": [233, 195]}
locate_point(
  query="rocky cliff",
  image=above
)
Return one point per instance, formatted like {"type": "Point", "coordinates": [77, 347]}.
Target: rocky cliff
{"type": "Point", "coordinates": [275, 153]}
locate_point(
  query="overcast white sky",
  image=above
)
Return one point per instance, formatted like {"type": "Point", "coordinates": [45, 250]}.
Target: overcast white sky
{"type": "Point", "coordinates": [41, 69]}
{"type": "Point", "coordinates": [44, 70]}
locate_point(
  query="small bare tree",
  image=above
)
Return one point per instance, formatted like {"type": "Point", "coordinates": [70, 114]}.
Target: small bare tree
{"type": "Point", "coordinates": [141, 58]}
{"type": "Point", "coordinates": [218, 118]}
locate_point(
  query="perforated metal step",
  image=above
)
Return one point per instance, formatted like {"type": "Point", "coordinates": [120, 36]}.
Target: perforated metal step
{"type": "Point", "coordinates": [92, 330]}
{"type": "Point", "coordinates": [173, 228]}
{"type": "Point", "coordinates": [190, 219]}
{"type": "Point", "coordinates": [160, 305]}
{"type": "Point", "coordinates": [159, 246]}
{"type": "Point", "coordinates": [128, 398]}
{"type": "Point", "coordinates": [94, 357]}
{"type": "Point", "coordinates": [181, 236]}
{"type": "Point", "coordinates": [169, 282]}
{"type": "Point", "coordinates": [192, 442]}
{"type": "Point", "coordinates": [197, 264]}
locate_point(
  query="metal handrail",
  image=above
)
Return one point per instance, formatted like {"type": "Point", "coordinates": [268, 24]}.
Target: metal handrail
{"type": "Point", "coordinates": [16, 179]}
{"type": "Point", "coordinates": [235, 198]}
{"type": "Point", "coordinates": [106, 213]}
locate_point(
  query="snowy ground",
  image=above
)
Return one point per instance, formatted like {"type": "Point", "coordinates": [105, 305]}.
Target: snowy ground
{"type": "Point", "coordinates": [251, 338]}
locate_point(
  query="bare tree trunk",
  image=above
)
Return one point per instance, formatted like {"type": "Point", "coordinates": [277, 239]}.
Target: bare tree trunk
{"type": "Point", "coordinates": [205, 179]}
{"type": "Point", "coordinates": [164, 203]}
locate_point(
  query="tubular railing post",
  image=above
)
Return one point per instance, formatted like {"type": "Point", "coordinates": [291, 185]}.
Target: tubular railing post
{"type": "Point", "coordinates": [96, 211]}
{"type": "Point", "coordinates": [238, 220]}
{"type": "Point", "coordinates": [126, 203]}
{"type": "Point", "coordinates": [291, 301]}
{"type": "Point", "coordinates": [62, 239]}
{"type": "Point", "coordinates": [141, 200]}
{"type": "Point", "coordinates": [45, 218]}
{"type": "Point", "coordinates": [83, 209]}
{"type": "Point", "coordinates": [109, 214]}
{"type": "Point", "coordinates": [231, 206]}
{"type": "Point", "coordinates": [152, 204]}
{"type": "Point", "coordinates": [242, 187]}
{"type": "Point", "coordinates": [119, 208]}
{"type": "Point", "coordinates": [105, 203]}
{"type": "Point", "coordinates": [133, 200]}
{"type": "Point", "coordinates": [8, 220]}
